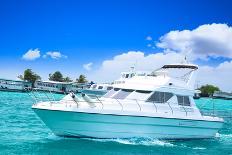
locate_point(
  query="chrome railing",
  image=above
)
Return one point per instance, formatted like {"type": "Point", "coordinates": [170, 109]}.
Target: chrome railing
{"type": "Point", "coordinates": [137, 102]}
{"type": "Point", "coordinates": [42, 96]}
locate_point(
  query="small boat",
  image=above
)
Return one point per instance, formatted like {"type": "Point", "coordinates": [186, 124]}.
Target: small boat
{"type": "Point", "coordinates": [222, 95]}
{"type": "Point", "coordinates": [14, 85]}
{"type": "Point", "coordinates": [156, 105]}
{"type": "Point", "coordinates": [59, 87]}
{"type": "Point", "coordinates": [197, 94]}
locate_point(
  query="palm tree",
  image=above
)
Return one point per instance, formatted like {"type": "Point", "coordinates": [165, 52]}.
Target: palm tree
{"type": "Point", "coordinates": [82, 79]}
{"type": "Point", "coordinates": [29, 76]}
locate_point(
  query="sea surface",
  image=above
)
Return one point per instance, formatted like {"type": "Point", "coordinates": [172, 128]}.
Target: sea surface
{"type": "Point", "coordinates": [22, 132]}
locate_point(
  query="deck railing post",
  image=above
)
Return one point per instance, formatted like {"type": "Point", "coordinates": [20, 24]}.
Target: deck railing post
{"type": "Point", "coordinates": [170, 107]}
{"type": "Point", "coordinates": [99, 101]}
{"type": "Point", "coordinates": [155, 106]}
{"type": "Point", "coordinates": [120, 104]}
{"type": "Point", "coordinates": [184, 109]}
{"type": "Point", "coordinates": [138, 104]}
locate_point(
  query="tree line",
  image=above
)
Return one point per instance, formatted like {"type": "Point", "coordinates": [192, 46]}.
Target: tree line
{"type": "Point", "coordinates": [31, 76]}
{"type": "Point", "coordinates": [208, 90]}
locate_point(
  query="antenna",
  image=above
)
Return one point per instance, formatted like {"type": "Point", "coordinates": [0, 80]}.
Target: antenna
{"type": "Point", "coordinates": [185, 61]}
{"type": "Point", "coordinates": [133, 67]}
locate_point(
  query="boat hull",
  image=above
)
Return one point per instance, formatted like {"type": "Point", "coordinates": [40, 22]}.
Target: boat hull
{"type": "Point", "coordinates": [96, 125]}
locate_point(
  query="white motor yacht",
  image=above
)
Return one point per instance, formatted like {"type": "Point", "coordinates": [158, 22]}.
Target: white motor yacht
{"type": "Point", "coordinates": [156, 105]}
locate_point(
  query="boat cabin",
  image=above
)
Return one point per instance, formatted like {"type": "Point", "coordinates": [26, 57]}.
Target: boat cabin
{"type": "Point", "coordinates": [148, 96]}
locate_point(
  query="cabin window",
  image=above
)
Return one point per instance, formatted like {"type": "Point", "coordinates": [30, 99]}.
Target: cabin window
{"type": "Point", "coordinates": [94, 86]}
{"type": "Point", "coordinates": [123, 94]}
{"type": "Point", "coordinates": [127, 75]}
{"type": "Point", "coordinates": [111, 92]}
{"type": "Point", "coordinates": [160, 97]}
{"type": "Point", "coordinates": [183, 100]}
{"type": "Point", "coordinates": [100, 87]}
{"type": "Point", "coordinates": [139, 95]}
{"type": "Point", "coordinates": [109, 88]}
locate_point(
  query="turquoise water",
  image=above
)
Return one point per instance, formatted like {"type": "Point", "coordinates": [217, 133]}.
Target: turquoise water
{"type": "Point", "coordinates": [22, 132]}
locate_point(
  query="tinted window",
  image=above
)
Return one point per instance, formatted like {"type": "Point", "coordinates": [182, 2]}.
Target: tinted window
{"type": "Point", "coordinates": [123, 94]}
{"type": "Point", "coordinates": [183, 100]}
{"type": "Point", "coordinates": [100, 87]}
{"type": "Point", "coordinates": [111, 92]}
{"type": "Point", "coordinates": [94, 86]}
{"type": "Point", "coordinates": [160, 97]}
{"type": "Point", "coordinates": [109, 88]}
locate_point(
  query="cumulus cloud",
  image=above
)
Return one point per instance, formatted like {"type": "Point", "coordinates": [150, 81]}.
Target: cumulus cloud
{"type": "Point", "coordinates": [54, 55]}
{"type": "Point", "coordinates": [31, 54]}
{"type": "Point", "coordinates": [210, 40]}
{"type": "Point", "coordinates": [111, 69]}
{"type": "Point", "coordinates": [219, 76]}
{"type": "Point", "coordinates": [88, 66]}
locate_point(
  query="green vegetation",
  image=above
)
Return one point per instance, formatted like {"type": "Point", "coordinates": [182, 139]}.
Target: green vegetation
{"type": "Point", "coordinates": [208, 90]}
{"type": "Point", "coordinates": [58, 76]}
{"type": "Point", "coordinates": [67, 79]}
{"type": "Point", "coordinates": [82, 79]}
{"type": "Point", "coordinates": [29, 76]}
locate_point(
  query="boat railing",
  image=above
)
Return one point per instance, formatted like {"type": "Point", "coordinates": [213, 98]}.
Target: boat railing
{"type": "Point", "coordinates": [104, 102]}
{"type": "Point", "coordinates": [41, 96]}
{"type": "Point", "coordinates": [138, 104]}
{"type": "Point", "coordinates": [99, 101]}
{"type": "Point", "coordinates": [119, 104]}
{"type": "Point", "coordinates": [170, 107]}
{"type": "Point", "coordinates": [155, 106]}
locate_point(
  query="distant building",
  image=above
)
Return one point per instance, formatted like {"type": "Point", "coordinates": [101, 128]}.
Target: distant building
{"type": "Point", "coordinates": [58, 87]}
{"type": "Point", "coordinates": [14, 85]}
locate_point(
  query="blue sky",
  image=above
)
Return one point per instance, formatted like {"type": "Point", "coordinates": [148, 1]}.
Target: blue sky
{"type": "Point", "coordinates": [94, 31]}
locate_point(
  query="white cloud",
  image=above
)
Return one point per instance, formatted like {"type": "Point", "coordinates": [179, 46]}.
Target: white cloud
{"type": "Point", "coordinates": [111, 69]}
{"type": "Point", "coordinates": [54, 55]}
{"type": "Point", "coordinates": [31, 54]}
{"type": "Point", "coordinates": [219, 76]}
{"type": "Point", "coordinates": [213, 40]}
{"type": "Point", "coordinates": [149, 45]}
{"type": "Point", "coordinates": [149, 38]}
{"type": "Point", "coordinates": [88, 66]}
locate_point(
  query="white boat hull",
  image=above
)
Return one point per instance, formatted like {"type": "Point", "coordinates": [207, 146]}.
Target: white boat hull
{"type": "Point", "coordinates": [96, 125]}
